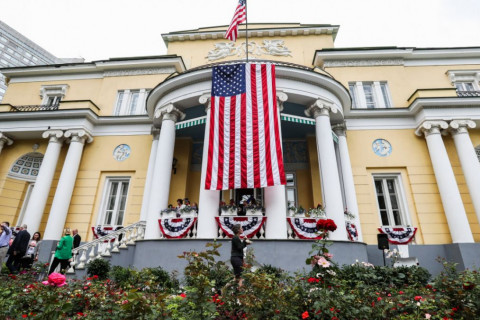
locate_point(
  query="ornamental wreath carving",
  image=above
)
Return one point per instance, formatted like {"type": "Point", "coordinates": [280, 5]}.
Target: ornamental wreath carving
{"type": "Point", "coordinates": [268, 47]}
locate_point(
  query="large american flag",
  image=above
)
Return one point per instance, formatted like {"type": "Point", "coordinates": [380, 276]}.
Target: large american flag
{"type": "Point", "coordinates": [244, 149]}
{"type": "Point", "coordinates": [239, 16]}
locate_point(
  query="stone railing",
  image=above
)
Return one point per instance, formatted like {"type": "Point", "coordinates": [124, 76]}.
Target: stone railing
{"type": "Point", "coordinates": [104, 246]}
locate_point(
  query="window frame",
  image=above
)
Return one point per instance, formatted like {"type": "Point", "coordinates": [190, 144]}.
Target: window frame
{"type": "Point", "coordinates": [55, 92]}
{"type": "Point", "coordinates": [380, 95]}
{"type": "Point", "coordinates": [401, 199]}
{"type": "Point", "coordinates": [123, 102]}
{"type": "Point", "coordinates": [294, 188]}
{"type": "Point", "coordinates": [105, 200]}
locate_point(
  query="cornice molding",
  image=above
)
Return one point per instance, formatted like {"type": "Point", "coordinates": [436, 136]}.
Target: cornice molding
{"type": "Point", "coordinates": [137, 72]}
{"type": "Point", "coordinates": [363, 63]}
{"type": "Point", "coordinates": [267, 32]}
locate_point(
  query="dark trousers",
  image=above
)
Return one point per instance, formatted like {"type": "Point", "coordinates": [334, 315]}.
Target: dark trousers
{"type": "Point", "coordinates": [64, 263]}
{"type": "Point", "coordinates": [14, 262]}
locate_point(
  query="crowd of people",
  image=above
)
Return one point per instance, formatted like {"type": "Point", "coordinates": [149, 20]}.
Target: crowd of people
{"type": "Point", "coordinates": [20, 251]}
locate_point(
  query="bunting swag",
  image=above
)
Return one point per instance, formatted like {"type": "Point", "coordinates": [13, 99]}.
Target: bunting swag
{"type": "Point", "coordinates": [177, 227]}
{"type": "Point", "coordinates": [399, 235]}
{"type": "Point", "coordinates": [100, 231]}
{"type": "Point", "coordinates": [250, 225]}
{"type": "Point", "coordinates": [352, 231]}
{"type": "Point", "coordinates": [244, 147]}
{"type": "Point", "coordinates": [305, 228]}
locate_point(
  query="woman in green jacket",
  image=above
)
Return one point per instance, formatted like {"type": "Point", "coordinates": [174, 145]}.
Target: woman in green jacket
{"type": "Point", "coordinates": [63, 253]}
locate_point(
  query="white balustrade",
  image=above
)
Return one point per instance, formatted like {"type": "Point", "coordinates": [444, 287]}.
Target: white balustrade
{"type": "Point", "coordinates": [103, 245]}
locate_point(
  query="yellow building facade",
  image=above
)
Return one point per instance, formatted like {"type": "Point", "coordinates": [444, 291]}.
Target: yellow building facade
{"type": "Point", "coordinates": [388, 134]}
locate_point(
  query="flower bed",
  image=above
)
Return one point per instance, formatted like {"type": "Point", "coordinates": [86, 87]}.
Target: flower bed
{"type": "Point", "coordinates": [358, 291]}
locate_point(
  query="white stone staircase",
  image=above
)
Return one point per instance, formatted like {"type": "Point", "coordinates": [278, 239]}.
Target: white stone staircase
{"type": "Point", "coordinates": [103, 247]}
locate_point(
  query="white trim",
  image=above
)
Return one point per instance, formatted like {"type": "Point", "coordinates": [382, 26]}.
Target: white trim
{"type": "Point", "coordinates": [28, 193]}
{"type": "Point", "coordinates": [401, 197]}
{"type": "Point", "coordinates": [104, 201]}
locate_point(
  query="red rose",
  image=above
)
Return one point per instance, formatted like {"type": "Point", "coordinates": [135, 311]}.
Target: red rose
{"type": "Point", "coordinates": [417, 298]}
{"type": "Point", "coordinates": [305, 315]}
{"type": "Point", "coordinates": [326, 225]}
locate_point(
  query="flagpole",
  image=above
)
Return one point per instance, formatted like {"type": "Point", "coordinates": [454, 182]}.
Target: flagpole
{"type": "Point", "coordinates": [246, 28]}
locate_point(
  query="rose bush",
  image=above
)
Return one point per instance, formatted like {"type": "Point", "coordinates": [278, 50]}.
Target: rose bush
{"type": "Point", "coordinates": [358, 291]}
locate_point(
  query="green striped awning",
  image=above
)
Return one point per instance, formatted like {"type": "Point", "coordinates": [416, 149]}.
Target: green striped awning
{"type": "Point", "coordinates": [191, 123]}
{"type": "Point", "coordinates": [283, 117]}
{"type": "Point", "coordinates": [297, 119]}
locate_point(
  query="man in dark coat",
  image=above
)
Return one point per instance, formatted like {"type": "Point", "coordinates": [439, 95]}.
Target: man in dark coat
{"type": "Point", "coordinates": [18, 249]}
{"type": "Point", "coordinates": [76, 238]}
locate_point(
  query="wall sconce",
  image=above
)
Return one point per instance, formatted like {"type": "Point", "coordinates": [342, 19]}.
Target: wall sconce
{"type": "Point", "coordinates": [174, 165]}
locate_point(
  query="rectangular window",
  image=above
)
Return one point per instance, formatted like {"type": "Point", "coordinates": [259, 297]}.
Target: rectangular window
{"type": "Point", "coordinates": [53, 101]}
{"type": "Point", "coordinates": [370, 95]}
{"type": "Point", "coordinates": [390, 200]}
{"type": "Point", "coordinates": [131, 102]}
{"type": "Point", "coordinates": [464, 86]}
{"type": "Point", "coordinates": [291, 189]}
{"type": "Point", "coordinates": [114, 202]}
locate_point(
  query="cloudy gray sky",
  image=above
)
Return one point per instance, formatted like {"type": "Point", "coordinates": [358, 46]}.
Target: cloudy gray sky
{"type": "Point", "coordinates": [101, 29]}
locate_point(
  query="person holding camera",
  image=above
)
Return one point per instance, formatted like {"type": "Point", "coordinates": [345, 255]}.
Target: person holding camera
{"type": "Point", "coordinates": [5, 235]}
{"type": "Point", "coordinates": [237, 253]}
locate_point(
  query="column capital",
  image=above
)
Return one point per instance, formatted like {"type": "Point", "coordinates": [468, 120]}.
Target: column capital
{"type": "Point", "coordinates": [169, 112]}
{"type": "Point", "coordinates": [5, 140]}
{"type": "Point", "coordinates": [340, 129]}
{"type": "Point", "coordinates": [461, 126]}
{"type": "Point", "coordinates": [281, 98]}
{"type": "Point", "coordinates": [53, 135]}
{"type": "Point", "coordinates": [321, 107]}
{"type": "Point", "coordinates": [205, 100]}
{"type": "Point", "coordinates": [431, 127]}
{"type": "Point", "coordinates": [79, 135]}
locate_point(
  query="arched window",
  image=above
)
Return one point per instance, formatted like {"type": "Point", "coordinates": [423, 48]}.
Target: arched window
{"type": "Point", "coordinates": [27, 166]}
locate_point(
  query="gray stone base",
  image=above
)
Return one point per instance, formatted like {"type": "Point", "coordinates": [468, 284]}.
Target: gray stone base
{"type": "Point", "coordinates": [289, 255]}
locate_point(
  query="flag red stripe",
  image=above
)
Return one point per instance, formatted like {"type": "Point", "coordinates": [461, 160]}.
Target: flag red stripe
{"type": "Point", "coordinates": [243, 142]}
{"type": "Point", "coordinates": [221, 153]}
{"type": "Point", "coordinates": [233, 143]}
{"type": "Point", "coordinates": [268, 157]}
{"type": "Point", "coordinates": [278, 143]}
{"type": "Point", "coordinates": [208, 177]}
{"type": "Point", "coordinates": [256, 148]}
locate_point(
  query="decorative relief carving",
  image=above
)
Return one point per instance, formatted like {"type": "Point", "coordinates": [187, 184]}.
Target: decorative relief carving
{"type": "Point", "coordinates": [137, 72]}
{"type": "Point", "coordinates": [363, 63]}
{"type": "Point", "coordinates": [122, 152]}
{"type": "Point", "coordinates": [268, 47]}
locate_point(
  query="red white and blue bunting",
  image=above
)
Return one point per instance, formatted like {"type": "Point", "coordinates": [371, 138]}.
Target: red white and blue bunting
{"type": "Point", "coordinates": [101, 231]}
{"type": "Point", "coordinates": [399, 235]}
{"type": "Point", "coordinates": [352, 231]}
{"type": "Point", "coordinates": [305, 228]}
{"type": "Point", "coordinates": [176, 228]}
{"type": "Point", "coordinates": [250, 225]}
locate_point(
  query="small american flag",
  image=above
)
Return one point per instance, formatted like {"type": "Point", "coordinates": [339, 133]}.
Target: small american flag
{"type": "Point", "coordinates": [239, 16]}
{"type": "Point", "coordinates": [244, 149]}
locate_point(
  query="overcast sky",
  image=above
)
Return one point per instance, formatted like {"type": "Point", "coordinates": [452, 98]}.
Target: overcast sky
{"type": "Point", "coordinates": [102, 29]}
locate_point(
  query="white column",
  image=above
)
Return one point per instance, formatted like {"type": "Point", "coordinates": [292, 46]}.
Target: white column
{"type": "Point", "coordinates": [320, 111]}
{"type": "Point", "coordinates": [4, 140]}
{"type": "Point", "coordinates": [38, 199]}
{"type": "Point", "coordinates": [468, 159]}
{"type": "Point", "coordinates": [275, 198]}
{"type": "Point", "coordinates": [149, 177]}
{"type": "Point", "coordinates": [209, 200]}
{"type": "Point", "coordinates": [66, 183]}
{"type": "Point", "coordinates": [167, 115]}
{"type": "Point", "coordinates": [447, 185]}
{"type": "Point", "coordinates": [347, 175]}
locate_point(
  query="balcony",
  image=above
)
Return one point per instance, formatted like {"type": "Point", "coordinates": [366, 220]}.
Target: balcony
{"type": "Point", "coordinates": [63, 105]}
{"type": "Point", "coordinates": [468, 93]}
